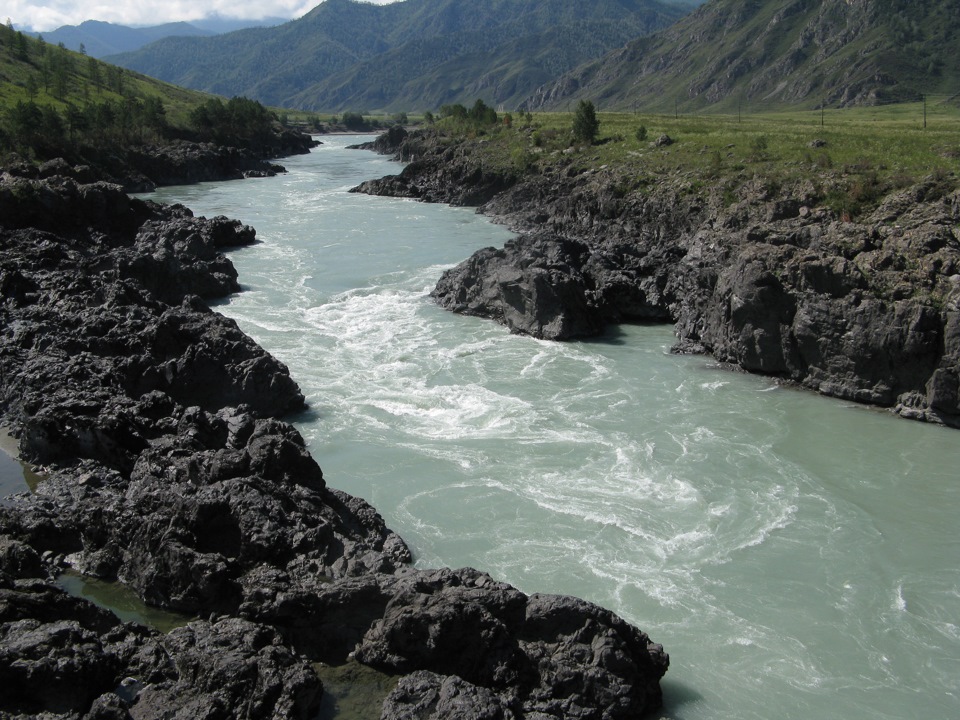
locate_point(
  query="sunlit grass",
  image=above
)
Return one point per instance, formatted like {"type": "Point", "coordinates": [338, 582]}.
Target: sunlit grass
{"type": "Point", "coordinates": [845, 151]}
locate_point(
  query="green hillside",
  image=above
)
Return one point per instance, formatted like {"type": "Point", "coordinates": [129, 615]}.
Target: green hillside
{"type": "Point", "coordinates": [411, 55]}
{"type": "Point", "coordinates": [58, 103]}
{"type": "Point", "coordinates": [777, 53]}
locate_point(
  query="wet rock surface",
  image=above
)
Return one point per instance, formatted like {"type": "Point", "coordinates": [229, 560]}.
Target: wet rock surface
{"type": "Point", "coordinates": [168, 468]}
{"type": "Point", "coordinates": [770, 281]}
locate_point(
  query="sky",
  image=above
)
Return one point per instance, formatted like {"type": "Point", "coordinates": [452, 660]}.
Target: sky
{"type": "Point", "coordinates": [46, 15]}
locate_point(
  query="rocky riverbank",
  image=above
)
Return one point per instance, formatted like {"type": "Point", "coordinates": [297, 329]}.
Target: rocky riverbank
{"type": "Point", "coordinates": [769, 280]}
{"type": "Point", "coordinates": [169, 469]}
{"type": "Point", "coordinates": [142, 168]}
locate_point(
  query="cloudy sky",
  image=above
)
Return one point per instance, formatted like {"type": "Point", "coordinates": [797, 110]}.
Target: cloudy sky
{"type": "Point", "coordinates": [45, 15]}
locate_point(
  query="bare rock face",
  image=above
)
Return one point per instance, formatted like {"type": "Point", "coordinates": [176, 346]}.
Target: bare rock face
{"type": "Point", "coordinates": [424, 695]}
{"type": "Point", "coordinates": [462, 642]}
{"type": "Point", "coordinates": [64, 656]}
{"type": "Point", "coordinates": [97, 318]}
{"type": "Point", "coordinates": [537, 288]}
{"type": "Point", "coordinates": [230, 668]}
{"type": "Point", "coordinates": [555, 655]}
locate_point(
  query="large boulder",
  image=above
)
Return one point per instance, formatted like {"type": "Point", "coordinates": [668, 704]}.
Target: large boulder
{"type": "Point", "coordinates": [67, 658]}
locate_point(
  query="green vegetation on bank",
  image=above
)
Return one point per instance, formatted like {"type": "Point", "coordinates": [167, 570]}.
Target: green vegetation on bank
{"type": "Point", "coordinates": [848, 158]}
{"type": "Point", "coordinates": [55, 102]}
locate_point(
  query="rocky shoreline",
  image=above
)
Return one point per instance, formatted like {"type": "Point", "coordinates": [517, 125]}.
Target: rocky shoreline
{"type": "Point", "coordinates": [169, 469]}
{"type": "Point", "coordinates": [143, 168]}
{"type": "Point", "coordinates": [770, 281]}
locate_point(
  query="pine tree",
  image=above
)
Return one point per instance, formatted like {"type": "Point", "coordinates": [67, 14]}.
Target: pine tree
{"type": "Point", "coordinates": [585, 123]}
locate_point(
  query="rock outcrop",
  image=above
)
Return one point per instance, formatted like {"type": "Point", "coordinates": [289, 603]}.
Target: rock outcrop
{"type": "Point", "coordinates": [770, 280]}
{"type": "Point", "coordinates": [169, 470]}
{"type": "Point", "coordinates": [61, 656]}
{"type": "Point", "coordinates": [142, 168]}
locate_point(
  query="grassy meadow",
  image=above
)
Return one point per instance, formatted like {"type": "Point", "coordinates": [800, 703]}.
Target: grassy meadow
{"type": "Point", "coordinates": [855, 154]}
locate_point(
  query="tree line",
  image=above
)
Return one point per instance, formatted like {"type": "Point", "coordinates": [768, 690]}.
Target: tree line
{"type": "Point", "coordinates": [70, 105]}
{"type": "Point", "coordinates": [41, 131]}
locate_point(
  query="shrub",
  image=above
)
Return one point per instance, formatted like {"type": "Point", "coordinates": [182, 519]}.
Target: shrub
{"type": "Point", "coordinates": [758, 148]}
{"type": "Point", "coordinates": [353, 121]}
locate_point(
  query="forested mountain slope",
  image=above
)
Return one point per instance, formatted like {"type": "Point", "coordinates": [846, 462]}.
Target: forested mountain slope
{"type": "Point", "coordinates": [409, 55]}
{"type": "Point", "coordinates": [772, 53]}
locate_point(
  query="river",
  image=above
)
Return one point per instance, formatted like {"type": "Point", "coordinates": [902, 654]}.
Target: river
{"type": "Point", "coordinates": [797, 556]}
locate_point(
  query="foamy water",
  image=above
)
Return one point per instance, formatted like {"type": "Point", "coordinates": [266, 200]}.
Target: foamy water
{"type": "Point", "coordinates": [797, 556]}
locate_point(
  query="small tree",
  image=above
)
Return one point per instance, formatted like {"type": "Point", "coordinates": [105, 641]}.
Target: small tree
{"type": "Point", "coordinates": [585, 123]}
{"type": "Point", "coordinates": [456, 111]}
{"type": "Point", "coordinates": [93, 73]}
{"type": "Point", "coordinates": [483, 114]}
{"type": "Point", "coordinates": [22, 53]}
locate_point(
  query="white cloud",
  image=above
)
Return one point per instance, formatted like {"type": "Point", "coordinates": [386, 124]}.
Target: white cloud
{"type": "Point", "coordinates": [46, 15]}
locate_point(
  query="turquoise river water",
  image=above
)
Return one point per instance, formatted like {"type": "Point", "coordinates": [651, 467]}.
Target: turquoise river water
{"type": "Point", "coordinates": [797, 556]}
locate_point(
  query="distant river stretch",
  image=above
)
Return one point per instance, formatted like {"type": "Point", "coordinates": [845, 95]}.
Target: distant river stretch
{"type": "Point", "coordinates": [797, 556]}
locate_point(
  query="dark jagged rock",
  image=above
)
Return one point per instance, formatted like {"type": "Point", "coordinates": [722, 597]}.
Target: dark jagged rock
{"type": "Point", "coordinates": [386, 143]}
{"type": "Point", "coordinates": [168, 469]}
{"type": "Point", "coordinates": [187, 162]}
{"type": "Point", "coordinates": [867, 311]}
{"type": "Point", "coordinates": [207, 503]}
{"type": "Point", "coordinates": [537, 288]}
{"type": "Point", "coordinates": [101, 338]}
{"type": "Point", "coordinates": [179, 162]}
{"type": "Point", "coordinates": [554, 655]}
{"type": "Point", "coordinates": [438, 175]}
{"type": "Point", "coordinates": [95, 319]}
{"type": "Point", "coordinates": [424, 695]}
{"type": "Point", "coordinates": [19, 560]}
{"type": "Point", "coordinates": [230, 668]}
{"type": "Point", "coordinates": [64, 656]}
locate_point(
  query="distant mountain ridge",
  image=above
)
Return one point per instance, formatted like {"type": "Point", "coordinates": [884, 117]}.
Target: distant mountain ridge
{"type": "Point", "coordinates": [410, 55]}
{"type": "Point", "coordinates": [772, 53]}
{"type": "Point", "coordinates": [100, 39]}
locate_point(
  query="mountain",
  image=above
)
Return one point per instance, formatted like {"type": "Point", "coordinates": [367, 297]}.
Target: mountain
{"type": "Point", "coordinates": [218, 24]}
{"type": "Point", "coordinates": [100, 39]}
{"type": "Point", "coordinates": [774, 53]}
{"type": "Point", "coordinates": [416, 54]}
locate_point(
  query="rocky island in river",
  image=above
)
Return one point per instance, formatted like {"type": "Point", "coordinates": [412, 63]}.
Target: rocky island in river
{"type": "Point", "coordinates": [169, 469]}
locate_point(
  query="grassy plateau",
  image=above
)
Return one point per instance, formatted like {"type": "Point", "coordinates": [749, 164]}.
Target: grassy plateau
{"type": "Point", "coordinates": [857, 155]}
